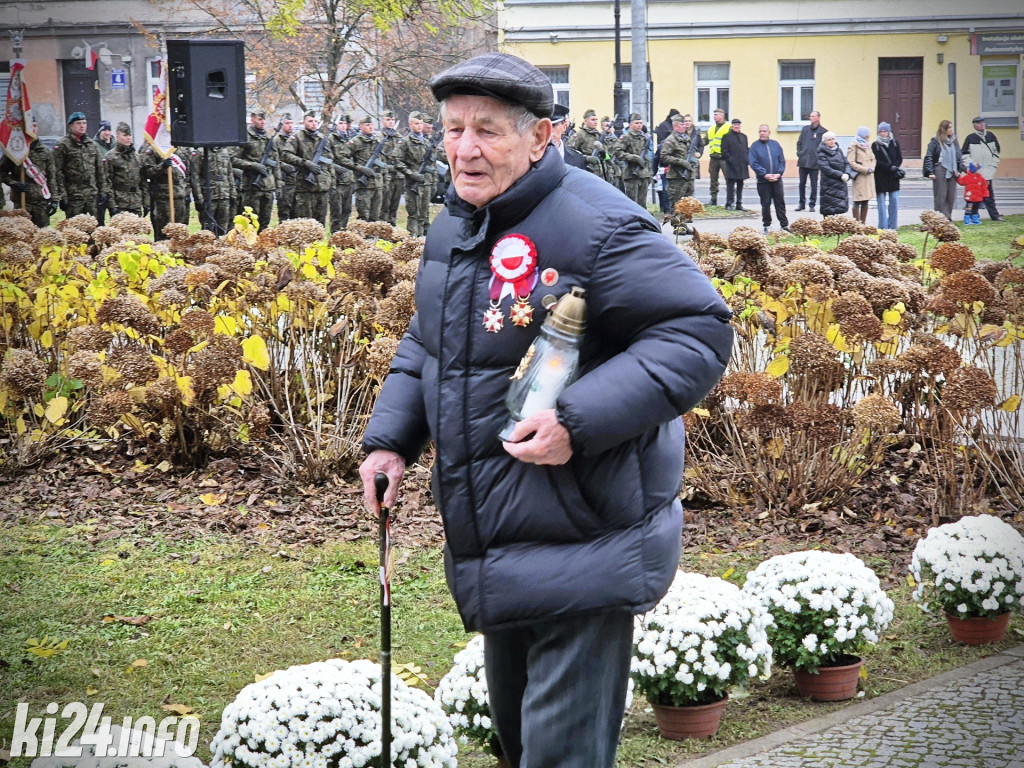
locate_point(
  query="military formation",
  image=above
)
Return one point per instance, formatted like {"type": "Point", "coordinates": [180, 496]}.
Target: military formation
{"type": "Point", "coordinates": [308, 170]}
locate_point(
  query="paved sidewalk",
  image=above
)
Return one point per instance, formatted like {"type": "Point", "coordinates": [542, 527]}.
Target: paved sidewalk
{"type": "Point", "coordinates": [972, 717]}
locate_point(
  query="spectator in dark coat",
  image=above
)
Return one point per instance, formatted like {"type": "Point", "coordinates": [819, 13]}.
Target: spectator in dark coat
{"type": "Point", "coordinates": [735, 156]}
{"type": "Point", "coordinates": [835, 198]}
{"type": "Point", "coordinates": [807, 157]}
{"type": "Point", "coordinates": [769, 164]}
{"type": "Point", "coordinates": [888, 159]}
{"type": "Point", "coordinates": [661, 132]}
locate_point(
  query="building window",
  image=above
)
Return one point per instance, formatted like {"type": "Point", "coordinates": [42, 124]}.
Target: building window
{"type": "Point", "coordinates": [312, 90]}
{"type": "Point", "coordinates": [559, 77]}
{"type": "Point", "coordinates": [999, 89]}
{"type": "Point", "coordinates": [627, 89]}
{"type": "Point", "coordinates": [712, 90]}
{"type": "Point", "coordinates": [152, 77]}
{"type": "Point", "coordinates": [796, 91]}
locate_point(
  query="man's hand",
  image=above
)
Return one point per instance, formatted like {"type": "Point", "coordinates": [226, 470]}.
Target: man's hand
{"type": "Point", "coordinates": [550, 443]}
{"type": "Point", "coordinates": [392, 465]}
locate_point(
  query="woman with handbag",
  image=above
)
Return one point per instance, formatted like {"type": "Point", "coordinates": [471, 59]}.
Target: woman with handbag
{"type": "Point", "coordinates": [861, 159]}
{"type": "Point", "coordinates": [943, 164]}
{"type": "Point", "coordinates": [888, 159]}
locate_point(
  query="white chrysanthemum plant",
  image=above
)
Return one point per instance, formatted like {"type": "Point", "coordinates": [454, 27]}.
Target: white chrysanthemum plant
{"type": "Point", "coordinates": [826, 608]}
{"type": "Point", "coordinates": [462, 693]}
{"type": "Point", "coordinates": [327, 714]}
{"type": "Point", "coordinates": [704, 638]}
{"type": "Point", "coordinates": [972, 568]}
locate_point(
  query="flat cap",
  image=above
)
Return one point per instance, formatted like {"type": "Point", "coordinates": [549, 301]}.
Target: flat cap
{"type": "Point", "coordinates": [559, 112]}
{"type": "Point", "coordinates": [124, 128]}
{"type": "Point", "coordinates": [737, 121]}
{"type": "Point", "coordinates": [589, 113]}
{"type": "Point", "coordinates": [501, 76]}
{"type": "Point", "coordinates": [74, 117]}
{"type": "Point", "coordinates": [257, 112]}
{"type": "Point", "coordinates": [978, 119]}
{"type": "Point", "coordinates": [634, 116]}
{"type": "Point", "coordinates": [677, 118]}
{"type": "Point", "coordinates": [365, 119]}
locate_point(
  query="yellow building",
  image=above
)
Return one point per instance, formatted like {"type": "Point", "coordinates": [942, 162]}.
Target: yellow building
{"type": "Point", "coordinates": [774, 61]}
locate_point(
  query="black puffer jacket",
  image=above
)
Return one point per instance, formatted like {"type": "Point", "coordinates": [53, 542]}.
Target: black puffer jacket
{"type": "Point", "coordinates": [525, 542]}
{"type": "Point", "coordinates": [835, 197]}
{"type": "Point", "coordinates": [887, 158]}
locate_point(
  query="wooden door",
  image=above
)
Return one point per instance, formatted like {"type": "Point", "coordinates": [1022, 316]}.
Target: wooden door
{"type": "Point", "coordinates": [900, 83]}
{"type": "Point", "coordinates": [81, 92]}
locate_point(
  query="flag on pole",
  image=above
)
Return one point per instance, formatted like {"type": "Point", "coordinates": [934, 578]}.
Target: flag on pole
{"type": "Point", "coordinates": [157, 131]}
{"type": "Point", "coordinates": [16, 129]}
{"type": "Point", "coordinates": [90, 56]}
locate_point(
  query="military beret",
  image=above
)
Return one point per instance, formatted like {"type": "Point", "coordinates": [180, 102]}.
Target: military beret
{"type": "Point", "coordinates": [737, 121]}
{"type": "Point", "coordinates": [428, 119]}
{"type": "Point", "coordinates": [978, 119]}
{"type": "Point", "coordinates": [559, 112]}
{"type": "Point", "coordinates": [257, 112]}
{"type": "Point", "coordinates": [309, 113]}
{"type": "Point", "coordinates": [501, 76]}
{"type": "Point", "coordinates": [75, 117]}
{"type": "Point", "coordinates": [589, 113]}
{"type": "Point", "coordinates": [415, 115]}
{"type": "Point", "coordinates": [104, 125]}
{"type": "Point", "coordinates": [286, 115]}
{"type": "Point", "coordinates": [124, 128]}
{"type": "Point", "coordinates": [634, 116]}
{"type": "Point", "coordinates": [677, 118]}
{"type": "Point", "coordinates": [365, 119]}
{"type": "Point", "coordinates": [387, 113]}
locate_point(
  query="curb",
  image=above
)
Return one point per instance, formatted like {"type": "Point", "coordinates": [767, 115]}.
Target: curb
{"type": "Point", "coordinates": [817, 725]}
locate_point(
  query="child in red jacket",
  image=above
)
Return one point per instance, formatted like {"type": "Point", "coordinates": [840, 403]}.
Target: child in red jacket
{"type": "Point", "coordinates": [975, 191]}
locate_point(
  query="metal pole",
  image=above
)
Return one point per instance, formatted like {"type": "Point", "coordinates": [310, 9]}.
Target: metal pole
{"type": "Point", "coordinates": [638, 32]}
{"type": "Point", "coordinates": [384, 524]}
{"type": "Point", "coordinates": [617, 92]}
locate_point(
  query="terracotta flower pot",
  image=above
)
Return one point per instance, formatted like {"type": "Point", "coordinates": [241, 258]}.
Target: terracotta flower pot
{"type": "Point", "coordinates": [835, 683]}
{"type": "Point", "coordinates": [699, 721]}
{"type": "Point", "coordinates": [978, 630]}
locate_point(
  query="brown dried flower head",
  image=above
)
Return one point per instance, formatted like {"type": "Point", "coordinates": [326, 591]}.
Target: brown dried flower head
{"type": "Point", "coordinates": [297, 234]}
{"type": "Point", "coordinates": [807, 227]}
{"type": "Point", "coordinates": [22, 373]}
{"type": "Point", "coordinates": [232, 263]}
{"type": "Point", "coordinates": [198, 323]}
{"type": "Point", "coordinates": [839, 225]}
{"type": "Point", "coordinates": [48, 237]}
{"type": "Point", "coordinates": [822, 424]}
{"type": "Point", "coordinates": [952, 257]}
{"type": "Point", "coordinates": [877, 413]}
{"type": "Point", "coordinates": [17, 229]}
{"type": "Point", "coordinates": [163, 395]}
{"type": "Point", "coordinates": [1009, 277]}
{"type": "Point", "coordinates": [259, 421]}
{"type": "Point", "coordinates": [84, 222]}
{"type": "Point", "coordinates": [928, 354]}
{"type": "Point", "coordinates": [130, 224]}
{"type": "Point", "coordinates": [305, 291]}
{"type": "Point", "coordinates": [199, 276]}
{"type": "Point", "coordinates": [177, 232]}
{"type": "Point", "coordinates": [807, 272]}
{"type": "Point", "coordinates": [90, 338]}
{"type": "Point", "coordinates": [17, 253]}
{"type": "Point", "coordinates": [688, 206]}
{"type": "Point", "coordinates": [129, 311]}
{"type": "Point", "coordinates": [409, 250]}
{"type": "Point", "coordinates": [969, 389]}
{"type": "Point", "coordinates": [345, 239]}
{"type": "Point", "coordinates": [757, 388]}
{"type": "Point", "coordinates": [134, 363]}
{"type": "Point", "coordinates": [812, 356]}
{"type": "Point", "coordinates": [86, 366]}
{"type": "Point", "coordinates": [745, 240]}
{"type": "Point", "coordinates": [378, 356]}
{"type": "Point", "coordinates": [967, 288]}
{"type": "Point", "coordinates": [107, 410]}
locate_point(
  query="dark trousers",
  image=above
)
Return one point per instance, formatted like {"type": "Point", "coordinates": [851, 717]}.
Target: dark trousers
{"type": "Point", "coordinates": [771, 192]}
{"type": "Point", "coordinates": [341, 207]}
{"type": "Point", "coordinates": [990, 203]}
{"type": "Point", "coordinates": [558, 689]}
{"type": "Point", "coordinates": [805, 174]}
{"type": "Point", "coordinates": [733, 192]}
{"type": "Point", "coordinates": [714, 167]}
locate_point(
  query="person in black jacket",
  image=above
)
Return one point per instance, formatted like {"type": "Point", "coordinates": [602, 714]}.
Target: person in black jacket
{"type": "Point", "coordinates": [835, 172]}
{"type": "Point", "coordinates": [556, 538]}
{"type": "Point", "coordinates": [661, 132]}
{"type": "Point", "coordinates": [559, 122]}
{"type": "Point", "coordinates": [888, 159]}
{"type": "Point", "coordinates": [735, 152]}
{"type": "Point", "coordinates": [943, 164]}
{"type": "Point", "coordinates": [807, 157]}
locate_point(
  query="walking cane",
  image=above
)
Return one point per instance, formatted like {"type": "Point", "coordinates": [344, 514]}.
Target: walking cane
{"type": "Point", "coordinates": [380, 483]}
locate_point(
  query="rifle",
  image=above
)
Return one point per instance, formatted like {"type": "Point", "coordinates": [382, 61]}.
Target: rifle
{"type": "Point", "coordinates": [427, 158]}
{"type": "Point", "coordinates": [267, 161]}
{"type": "Point", "coordinates": [374, 160]}
{"type": "Point", "coordinates": [318, 157]}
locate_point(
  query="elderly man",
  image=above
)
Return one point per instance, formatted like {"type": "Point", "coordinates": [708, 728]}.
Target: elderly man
{"type": "Point", "coordinates": [982, 149]}
{"type": "Point", "coordinates": [556, 538]}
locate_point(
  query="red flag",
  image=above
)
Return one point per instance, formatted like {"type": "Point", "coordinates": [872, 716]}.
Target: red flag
{"type": "Point", "coordinates": [157, 130]}
{"type": "Point", "coordinates": [90, 56]}
{"type": "Point", "coordinates": [16, 129]}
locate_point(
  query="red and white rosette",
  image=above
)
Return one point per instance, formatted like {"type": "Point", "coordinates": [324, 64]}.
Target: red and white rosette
{"type": "Point", "coordinates": [514, 265]}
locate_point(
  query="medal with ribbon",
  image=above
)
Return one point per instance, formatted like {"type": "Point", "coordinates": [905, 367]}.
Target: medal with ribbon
{"type": "Point", "coordinates": [514, 268]}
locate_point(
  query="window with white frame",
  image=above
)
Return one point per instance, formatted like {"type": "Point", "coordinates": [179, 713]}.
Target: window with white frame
{"type": "Point", "coordinates": [796, 92]}
{"type": "Point", "coordinates": [152, 77]}
{"type": "Point", "coordinates": [999, 88]}
{"type": "Point", "coordinates": [712, 90]}
{"type": "Point", "coordinates": [559, 77]}
{"type": "Point", "coordinates": [627, 88]}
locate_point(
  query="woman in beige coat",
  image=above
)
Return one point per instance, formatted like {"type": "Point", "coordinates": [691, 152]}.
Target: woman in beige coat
{"type": "Point", "coordinates": [862, 160]}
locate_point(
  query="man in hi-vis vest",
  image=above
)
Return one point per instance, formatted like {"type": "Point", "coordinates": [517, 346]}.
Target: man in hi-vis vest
{"type": "Point", "coordinates": [715, 135]}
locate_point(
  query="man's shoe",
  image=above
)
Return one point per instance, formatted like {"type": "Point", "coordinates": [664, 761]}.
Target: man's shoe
{"type": "Point", "coordinates": [977, 219]}
{"type": "Point", "coordinates": [728, 206]}
{"type": "Point", "coordinates": [766, 230]}
{"type": "Point", "coordinates": [741, 208]}
{"type": "Point", "coordinates": [714, 201]}
{"type": "Point", "coordinates": [800, 207]}
{"type": "Point", "coordinates": [787, 229]}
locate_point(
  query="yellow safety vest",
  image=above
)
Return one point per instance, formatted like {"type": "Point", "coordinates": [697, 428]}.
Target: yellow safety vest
{"type": "Point", "coordinates": [715, 134]}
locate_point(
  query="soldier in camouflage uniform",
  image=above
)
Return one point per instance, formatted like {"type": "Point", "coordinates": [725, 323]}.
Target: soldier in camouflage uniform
{"type": "Point", "coordinates": [259, 180]}
{"type": "Point", "coordinates": [634, 151]}
{"type": "Point", "coordinates": [314, 180]}
{"type": "Point", "coordinates": [430, 171]}
{"type": "Point", "coordinates": [78, 172]}
{"type": "Point", "coordinates": [219, 218]}
{"type": "Point", "coordinates": [369, 181]}
{"type": "Point", "coordinates": [155, 174]}
{"type": "Point", "coordinates": [612, 166]}
{"type": "Point", "coordinates": [394, 181]}
{"type": "Point", "coordinates": [411, 160]}
{"type": "Point", "coordinates": [675, 153]}
{"type": "Point", "coordinates": [38, 207]}
{"type": "Point", "coordinates": [286, 190]}
{"type": "Point", "coordinates": [104, 138]}
{"type": "Point", "coordinates": [587, 142]}
{"type": "Point", "coordinates": [122, 169]}
{"type": "Point", "coordinates": [344, 175]}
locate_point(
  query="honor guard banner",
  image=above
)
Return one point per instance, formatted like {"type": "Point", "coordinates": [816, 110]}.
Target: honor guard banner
{"type": "Point", "coordinates": [158, 127]}
{"type": "Point", "coordinates": [16, 129]}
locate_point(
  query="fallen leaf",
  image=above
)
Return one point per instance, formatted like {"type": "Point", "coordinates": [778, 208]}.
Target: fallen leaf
{"type": "Point", "coordinates": [136, 621]}
{"type": "Point", "coordinates": [90, 691]}
{"type": "Point", "coordinates": [178, 709]}
{"type": "Point", "coordinates": [140, 663]}
{"type": "Point", "coordinates": [259, 677]}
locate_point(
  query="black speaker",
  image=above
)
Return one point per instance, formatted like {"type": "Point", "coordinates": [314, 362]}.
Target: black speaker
{"type": "Point", "coordinates": [206, 84]}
